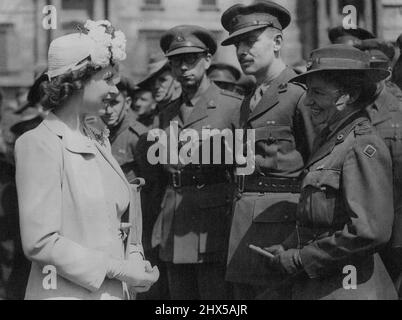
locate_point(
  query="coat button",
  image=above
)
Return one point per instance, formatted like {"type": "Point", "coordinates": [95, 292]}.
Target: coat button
{"type": "Point", "coordinates": [341, 137]}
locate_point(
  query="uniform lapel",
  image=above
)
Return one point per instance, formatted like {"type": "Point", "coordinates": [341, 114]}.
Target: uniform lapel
{"type": "Point", "coordinates": [271, 97]}
{"type": "Point", "coordinates": [200, 111]}
{"type": "Point", "coordinates": [245, 111]}
{"type": "Point", "coordinates": [335, 137]}
{"type": "Point", "coordinates": [171, 113]}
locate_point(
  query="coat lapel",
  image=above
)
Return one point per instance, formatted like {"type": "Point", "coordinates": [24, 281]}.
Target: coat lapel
{"type": "Point", "coordinates": [74, 143]}
{"type": "Point", "coordinates": [171, 113]}
{"type": "Point", "coordinates": [200, 111]}
{"type": "Point", "coordinates": [337, 136]}
{"type": "Point", "coordinates": [112, 161]}
{"type": "Point", "coordinates": [79, 144]}
{"type": "Point", "coordinates": [271, 96]}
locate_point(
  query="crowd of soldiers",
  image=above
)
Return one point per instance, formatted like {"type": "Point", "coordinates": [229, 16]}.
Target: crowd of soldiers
{"type": "Point", "coordinates": [200, 220]}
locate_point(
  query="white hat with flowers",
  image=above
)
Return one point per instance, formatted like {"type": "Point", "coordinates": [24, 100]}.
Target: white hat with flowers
{"type": "Point", "coordinates": [98, 43]}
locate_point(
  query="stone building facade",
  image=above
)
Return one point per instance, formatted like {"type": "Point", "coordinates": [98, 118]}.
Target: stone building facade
{"type": "Point", "coordinates": [24, 41]}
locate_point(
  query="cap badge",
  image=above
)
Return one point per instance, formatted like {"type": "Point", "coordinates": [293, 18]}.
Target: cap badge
{"type": "Point", "coordinates": [309, 65]}
{"type": "Point", "coordinates": [180, 39]}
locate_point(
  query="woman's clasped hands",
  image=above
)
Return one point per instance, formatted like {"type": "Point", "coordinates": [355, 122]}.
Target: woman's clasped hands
{"type": "Point", "coordinates": [136, 272]}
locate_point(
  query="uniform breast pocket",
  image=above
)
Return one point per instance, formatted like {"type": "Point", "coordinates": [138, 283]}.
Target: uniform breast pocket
{"type": "Point", "coordinates": [274, 139]}
{"type": "Point", "coordinates": [270, 141]}
{"type": "Point", "coordinates": [319, 199]}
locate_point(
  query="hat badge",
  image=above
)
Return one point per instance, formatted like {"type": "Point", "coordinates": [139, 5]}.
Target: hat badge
{"type": "Point", "coordinates": [180, 39]}
{"type": "Point", "coordinates": [309, 65]}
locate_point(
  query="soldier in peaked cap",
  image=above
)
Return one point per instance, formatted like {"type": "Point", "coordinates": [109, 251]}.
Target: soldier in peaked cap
{"type": "Point", "coordinates": [345, 212]}
{"type": "Point", "coordinates": [266, 204]}
{"type": "Point", "coordinates": [193, 226]}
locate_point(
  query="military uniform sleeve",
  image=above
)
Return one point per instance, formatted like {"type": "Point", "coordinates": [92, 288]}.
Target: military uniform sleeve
{"type": "Point", "coordinates": [304, 130]}
{"type": "Point", "coordinates": [366, 184]}
{"type": "Point", "coordinates": [39, 179]}
{"type": "Point", "coordinates": [395, 146]}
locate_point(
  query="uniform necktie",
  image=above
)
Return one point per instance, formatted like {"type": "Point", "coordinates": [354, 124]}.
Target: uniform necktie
{"type": "Point", "coordinates": [259, 93]}
{"type": "Point", "coordinates": [186, 110]}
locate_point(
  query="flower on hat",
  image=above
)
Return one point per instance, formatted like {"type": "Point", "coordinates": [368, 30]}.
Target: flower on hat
{"type": "Point", "coordinates": [109, 44]}
{"type": "Point", "coordinates": [119, 46]}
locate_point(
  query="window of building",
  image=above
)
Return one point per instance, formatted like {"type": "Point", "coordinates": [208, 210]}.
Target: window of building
{"type": "Point", "coordinates": [152, 5]}
{"type": "Point", "coordinates": [77, 5]}
{"type": "Point", "coordinates": [3, 52]}
{"type": "Point", "coordinates": [151, 39]}
{"type": "Point", "coordinates": [208, 5]}
{"type": "Point", "coordinates": [9, 53]}
{"type": "Point", "coordinates": [74, 12]}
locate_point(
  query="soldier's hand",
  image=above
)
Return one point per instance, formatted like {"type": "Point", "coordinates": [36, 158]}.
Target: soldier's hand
{"type": "Point", "coordinates": [290, 261]}
{"type": "Point", "coordinates": [275, 250]}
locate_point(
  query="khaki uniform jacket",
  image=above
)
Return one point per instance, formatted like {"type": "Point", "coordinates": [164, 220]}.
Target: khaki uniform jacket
{"type": "Point", "coordinates": [65, 221]}
{"type": "Point", "coordinates": [283, 138]}
{"type": "Point", "coordinates": [124, 144]}
{"type": "Point", "coordinates": [386, 116]}
{"type": "Point", "coordinates": [193, 225]}
{"type": "Point", "coordinates": [345, 214]}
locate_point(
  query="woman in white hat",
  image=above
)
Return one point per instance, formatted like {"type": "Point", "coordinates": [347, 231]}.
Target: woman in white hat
{"type": "Point", "coordinates": [72, 194]}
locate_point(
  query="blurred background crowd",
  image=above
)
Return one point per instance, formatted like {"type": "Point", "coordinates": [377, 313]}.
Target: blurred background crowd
{"type": "Point", "coordinates": [24, 43]}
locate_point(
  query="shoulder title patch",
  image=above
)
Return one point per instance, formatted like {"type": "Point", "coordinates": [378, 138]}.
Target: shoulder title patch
{"type": "Point", "coordinates": [370, 151]}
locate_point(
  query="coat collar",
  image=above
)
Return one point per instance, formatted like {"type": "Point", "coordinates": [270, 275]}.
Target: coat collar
{"type": "Point", "coordinates": [337, 135]}
{"type": "Point", "coordinates": [271, 95]}
{"type": "Point", "coordinates": [200, 112]}
{"type": "Point", "coordinates": [120, 128]}
{"type": "Point", "coordinates": [73, 142]}
{"type": "Point", "coordinates": [379, 110]}
{"type": "Point", "coordinates": [81, 145]}
{"type": "Point", "coordinates": [107, 154]}
{"type": "Point", "coordinates": [172, 113]}
{"type": "Point", "coordinates": [201, 107]}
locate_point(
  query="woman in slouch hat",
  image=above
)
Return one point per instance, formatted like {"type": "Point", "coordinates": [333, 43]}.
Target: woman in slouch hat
{"type": "Point", "coordinates": [345, 213]}
{"type": "Point", "coordinates": [73, 196]}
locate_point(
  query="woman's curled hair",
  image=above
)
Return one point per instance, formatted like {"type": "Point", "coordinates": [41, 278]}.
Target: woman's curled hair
{"type": "Point", "coordinates": [53, 93]}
